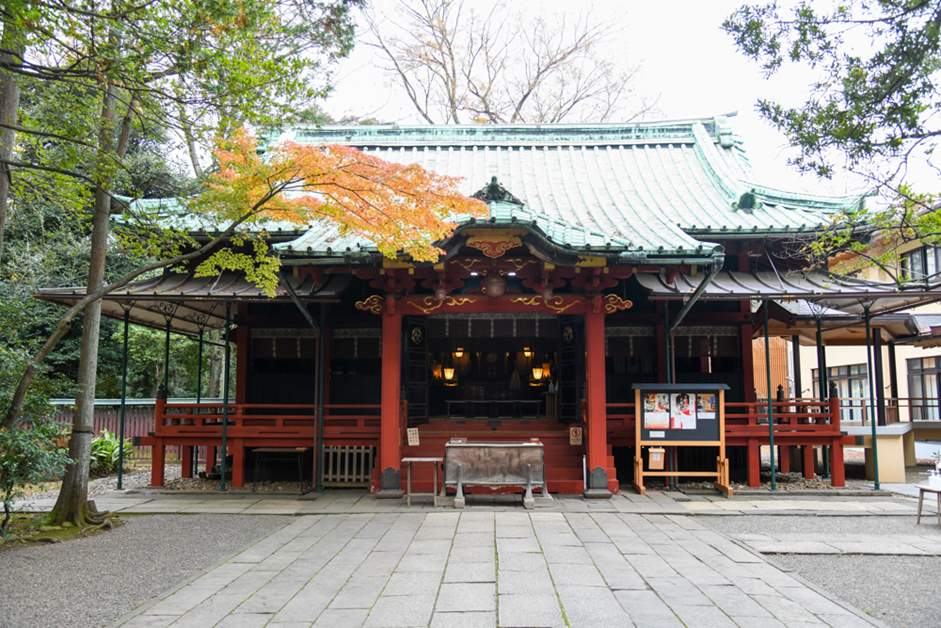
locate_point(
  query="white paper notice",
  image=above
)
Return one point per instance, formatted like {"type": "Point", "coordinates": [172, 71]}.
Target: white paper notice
{"type": "Point", "coordinates": [658, 434]}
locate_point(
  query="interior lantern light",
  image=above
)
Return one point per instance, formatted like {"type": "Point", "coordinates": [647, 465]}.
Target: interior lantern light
{"type": "Point", "coordinates": [458, 353]}
{"type": "Point", "coordinates": [538, 374]}
{"type": "Point", "coordinates": [527, 352]}
{"type": "Point", "coordinates": [450, 377]}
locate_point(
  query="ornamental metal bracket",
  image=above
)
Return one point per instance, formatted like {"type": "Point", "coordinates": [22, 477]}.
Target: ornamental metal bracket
{"type": "Point", "coordinates": [372, 304]}
{"type": "Point", "coordinates": [431, 304]}
{"type": "Point", "coordinates": [613, 303]}
{"type": "Point", "coordinates": [557, 304]}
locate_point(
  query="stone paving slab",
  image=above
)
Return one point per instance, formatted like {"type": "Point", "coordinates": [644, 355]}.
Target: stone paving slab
{"type": "Point", "coordinates": [453, 569]}
{"type": "Point", "coordinates": [849, 544]}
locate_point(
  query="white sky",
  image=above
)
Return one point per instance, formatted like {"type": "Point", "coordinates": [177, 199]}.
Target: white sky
{"type": "Point", "coordinates": [686, 59]}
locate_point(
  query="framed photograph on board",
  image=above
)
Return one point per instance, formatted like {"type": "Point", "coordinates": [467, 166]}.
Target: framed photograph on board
{"type": "Point", "coordinates": [706, 406]}
{"type": "Point", "coordinates": [656, 411]}
{"type": "Point", "coordinates": [683, 411]}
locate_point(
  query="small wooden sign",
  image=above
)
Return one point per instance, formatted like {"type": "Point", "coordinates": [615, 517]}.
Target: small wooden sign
{"type": "Point", "coordinates": [412, 435]}
{"type": "Point", "coordinates": [576, 435]}
{"type": "Point", "coordinates": [655, 458]}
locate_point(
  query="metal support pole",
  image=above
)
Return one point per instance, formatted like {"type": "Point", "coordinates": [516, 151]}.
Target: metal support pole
{"type": "Point", "coordinates": [166, 360]}
{"type": "Point", "coordinates": [123, 418]}
{"type": "Point", "coordinates": [796, 360]}
{"type": "Point", "coordinates": [225, 396]}
{"type": "Point", "coordinates": [872, 416]}
{"type": "Point", "coordinates": [319, 391]}
{"type": "Point", "coordinates": [774, 484]}
{"type": "Point", "coordinates": [878, 375]}
{"type": "Point", "coordinates": [199, 396]}
{"type": "Point", "coordinates": [668, 360]}
{"type": "Point", "coordinates": [823, 388]}
{"type": "Point", "coordinates": [667, 342]}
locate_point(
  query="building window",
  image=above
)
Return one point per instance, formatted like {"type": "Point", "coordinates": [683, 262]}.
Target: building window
{"type": "Point", "coordinates": [851, 386]}
{"type": "Point", "coordinates": [922, 263]}
{"type": "Point", "coordinates": [923, 378]}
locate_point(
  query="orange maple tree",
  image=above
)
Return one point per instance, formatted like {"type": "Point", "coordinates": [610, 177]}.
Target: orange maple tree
{"type": "Point", "coordinates": [400, 208]}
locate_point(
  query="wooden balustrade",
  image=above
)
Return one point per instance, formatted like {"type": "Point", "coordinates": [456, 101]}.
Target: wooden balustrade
{"type": "Point", "coordinates": [349, 424]}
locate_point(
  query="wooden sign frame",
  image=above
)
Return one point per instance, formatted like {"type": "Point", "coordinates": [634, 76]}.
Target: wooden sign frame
{"type": "Point", "coordinates": [721, 472]}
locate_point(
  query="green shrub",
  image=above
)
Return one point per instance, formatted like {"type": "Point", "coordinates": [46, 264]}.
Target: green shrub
{"type": "Point", "coordinates": [104, 453]}
{"type": "Point", "coordinates": [28, 455]}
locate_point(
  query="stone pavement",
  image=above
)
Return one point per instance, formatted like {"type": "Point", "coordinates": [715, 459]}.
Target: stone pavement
{"type": "Point", "coordinates": [485, 567]}
{"type": "Point", "coordinates": [850, 544]}
{"type": "Point", "coordinates": [357, 501]}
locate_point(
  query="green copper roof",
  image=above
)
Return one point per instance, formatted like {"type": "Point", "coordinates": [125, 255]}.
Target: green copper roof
{"type": "Point", "coordinates": [639, 190]}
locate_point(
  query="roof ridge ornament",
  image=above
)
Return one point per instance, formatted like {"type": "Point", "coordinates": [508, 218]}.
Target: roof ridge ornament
{"type": "Point", "coordinates": [748, 202]}
{"type": "Point", "coordinates": [495, 192]}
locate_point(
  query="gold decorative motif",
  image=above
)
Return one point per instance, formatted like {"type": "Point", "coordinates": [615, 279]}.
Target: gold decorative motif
{"type": "Point", "coordinates": [468, 263]}
{"type": "Point", "coordinates": [372, 303]}
{"type": "Point", "coordinates": [557, 303]}
{"type": "Point", "coordinates": [613, 303]}
{"type": "Point", "coordinates": [494, 248]}
{"type": "Point", "coordinates": [430, 304]}
{"type": "Point", "coordinates": [519, 263]}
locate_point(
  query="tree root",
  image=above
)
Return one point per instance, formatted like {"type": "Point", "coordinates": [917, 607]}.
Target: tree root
{"type": "Point", "coordinates": [89, 519]}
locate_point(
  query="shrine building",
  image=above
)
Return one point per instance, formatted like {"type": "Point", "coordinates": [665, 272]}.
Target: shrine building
{"type": "Point", "coordinates": [611, 255]}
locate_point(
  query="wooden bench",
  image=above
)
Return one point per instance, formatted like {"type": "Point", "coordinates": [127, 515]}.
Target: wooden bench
{"type": "Point", "coordinates": [494, 465]}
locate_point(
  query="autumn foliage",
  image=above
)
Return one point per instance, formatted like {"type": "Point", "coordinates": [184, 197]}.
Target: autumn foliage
{"type": "Point", "coordinates": [402, 209]}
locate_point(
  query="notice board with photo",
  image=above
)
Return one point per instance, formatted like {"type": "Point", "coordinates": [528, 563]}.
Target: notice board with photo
{"type": "Point", "coordinates": [680, 412]}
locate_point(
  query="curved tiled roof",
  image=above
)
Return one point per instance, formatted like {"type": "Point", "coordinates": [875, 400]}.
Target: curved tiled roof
{"type": "Point", "coordinates": [645, 190]}
{"type": "Point", "coordinates": [648, 190]}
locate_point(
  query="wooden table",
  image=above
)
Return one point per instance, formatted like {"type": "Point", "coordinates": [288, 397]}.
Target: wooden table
{"type": "Point", "coordinates": [408, 479]}
{"type": "Point", "coordinates": [925, 488]}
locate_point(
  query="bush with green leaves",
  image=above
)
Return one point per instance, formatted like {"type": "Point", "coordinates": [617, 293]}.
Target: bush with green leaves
{"type": "Point", "coordinates": [28, 454]}
{"type": "Point", "coordinates": [105, 450]}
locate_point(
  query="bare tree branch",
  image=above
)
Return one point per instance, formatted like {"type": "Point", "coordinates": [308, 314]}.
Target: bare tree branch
{"type": "Point", "coordinates": [454, 63]}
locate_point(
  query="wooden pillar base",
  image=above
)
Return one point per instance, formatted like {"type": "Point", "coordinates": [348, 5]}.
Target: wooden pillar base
{"type": "Point", "coordinates": [186, 461]}
{"type": "Point", "coordinates": [784, 459]}
{"type": "Point", "coordinates": [238, 463]}
{"type": "Point", "coordinates": [754, 464]}
{"type": "Point", "coordinates": [157, 463]}
{"type": "Point", "coordinates": [809, 460]}
{"type": "Point", "coordinates": [837, 473]}
{"type": "Point", "coordinates": [210, 459]}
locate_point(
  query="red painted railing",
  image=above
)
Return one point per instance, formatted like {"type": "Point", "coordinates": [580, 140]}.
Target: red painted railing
{"type": "Point", "coordinates": [809, 421]}
{"type": "Point", "coordinates": [347, 424]}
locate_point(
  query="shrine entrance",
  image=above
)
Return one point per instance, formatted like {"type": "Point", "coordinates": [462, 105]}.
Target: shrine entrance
{"type": "Point", "coordinates": [491, 367]}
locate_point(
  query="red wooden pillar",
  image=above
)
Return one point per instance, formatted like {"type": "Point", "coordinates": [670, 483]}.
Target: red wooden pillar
{"type": "Point", "coordinates": [754, 462]}
{"type": "Point", "coordinates": [158, 453]}
{"type": "Point", "coordinates": [809, 459]}
{"type": "Point", "coordinates": [837, 473]}
{"type": "Point", "coordinates": [157, 461]}
{"type": "Point", "coordinates": [784, 459]}
{"type": "Point", "coordinates": [238, 462]}
{"type": "Point", "coordinates": [186, 461]}
{"type": "Point", "coordinates": [210, 459]}
{"type": "Point", "coordinates": [597, 401]}
{"type": "Point", "coordinates": [390, 438]}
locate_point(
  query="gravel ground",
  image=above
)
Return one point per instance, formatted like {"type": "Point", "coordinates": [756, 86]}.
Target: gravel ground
{"type": "Point", "coordinates": [899, 590]}
{"type": "Point", "coordinates": [95, 580]}
{"type": "Point", "coordinates": [902, 591]}
{"type": "Point", "coordinates": [100, 486]}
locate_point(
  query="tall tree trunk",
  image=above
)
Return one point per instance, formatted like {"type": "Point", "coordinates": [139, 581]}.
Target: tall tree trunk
{"type": "Point", "coordinates": [12, 48]}
{"type": "Point", "coordinates": [72, 504]}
